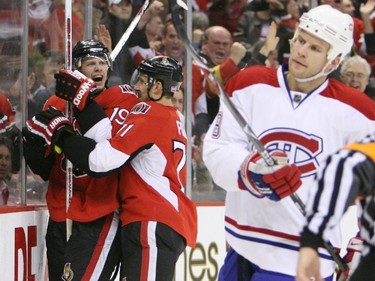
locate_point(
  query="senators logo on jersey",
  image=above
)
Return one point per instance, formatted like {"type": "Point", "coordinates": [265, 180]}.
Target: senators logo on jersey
{"type": "Point", "coordinates": [140, 108]}
{"type": "Point", "coordinates": [68, 273]}
{"type": "Point", "coordinates": [127, 89]}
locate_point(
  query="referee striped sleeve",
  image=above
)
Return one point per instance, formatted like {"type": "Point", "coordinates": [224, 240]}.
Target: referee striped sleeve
{"type": "Point", "coordinates": [335, 189]}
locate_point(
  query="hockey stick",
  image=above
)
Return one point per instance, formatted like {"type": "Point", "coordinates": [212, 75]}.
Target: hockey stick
{"type": "Point", "coordinates": [124, 38]}
{"type": "Point", "coordinates": [68, 110]}
{"type": "Point", "coordinates": [239, 118]}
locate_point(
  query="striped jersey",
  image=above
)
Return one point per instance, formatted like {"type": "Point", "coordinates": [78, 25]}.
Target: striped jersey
{"type": "Point", "coordinates": [346, 176]}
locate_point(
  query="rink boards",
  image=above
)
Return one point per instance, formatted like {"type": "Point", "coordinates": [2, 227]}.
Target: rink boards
{"type": "Point", "coordinates": [22, 245]}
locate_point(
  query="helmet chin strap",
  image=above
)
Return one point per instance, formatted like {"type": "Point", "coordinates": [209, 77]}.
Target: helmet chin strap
{"type": "Point", "coordinates": [316, 76]}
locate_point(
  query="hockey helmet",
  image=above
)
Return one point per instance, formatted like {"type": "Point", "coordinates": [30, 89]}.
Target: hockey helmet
{"type": "Point", "coordinates": [164, 69]}
{"type": "Point", "coordinates": [90, 48]}
{"type": "Point", "coordinates": [332, 26]}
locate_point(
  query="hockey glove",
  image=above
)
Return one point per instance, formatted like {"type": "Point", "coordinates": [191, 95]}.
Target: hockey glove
{"type": "Point", "coordinates": [34, 151]}
{"type": "Point", "coordinates": [274, 182]}
{"type": "Point", "coordinates": [352, 257]}
{"type": "Point", "coordinates": [75, 87]}
{"type": "Point", "coordinates": [50, 125]}
{"type": "Point", "coordinates": [5, 124]}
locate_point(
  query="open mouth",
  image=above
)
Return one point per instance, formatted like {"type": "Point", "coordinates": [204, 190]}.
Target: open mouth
{"type": "Point", "coordinates": [220, 55]}
{"type": "Point", "coordinates": [98, 79]}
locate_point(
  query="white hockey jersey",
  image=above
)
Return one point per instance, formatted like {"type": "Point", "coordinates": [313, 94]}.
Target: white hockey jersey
{"type": "Point", "coordinates": [307, 127]}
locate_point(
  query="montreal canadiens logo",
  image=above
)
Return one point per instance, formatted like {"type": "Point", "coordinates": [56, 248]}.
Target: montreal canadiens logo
{"type": "Point", "coordinates": [303, 149]}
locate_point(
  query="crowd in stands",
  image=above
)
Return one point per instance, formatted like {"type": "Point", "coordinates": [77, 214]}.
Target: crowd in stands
{"type": "Point", "coordinates": [228, 34]}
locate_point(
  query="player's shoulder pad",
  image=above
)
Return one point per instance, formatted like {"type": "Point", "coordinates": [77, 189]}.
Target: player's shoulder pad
{"type": "Point", "coordinates": [127, 89]}
{"type": "Point", "coordinates": [56, 102]}
{"type": "Point", "coordinates": [122, 89]}
{"type": "Point", "coordinates": [141, 108]}
{"type": "Point", "coordinates": [256, 74]}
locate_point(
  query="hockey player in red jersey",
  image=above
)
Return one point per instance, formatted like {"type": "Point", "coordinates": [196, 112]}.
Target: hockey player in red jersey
{"type": "Point", "coordinates": [93, 250]}
{"type": "Point", "coordinates": [296, 109]}
{"type": "Point", "coordinates": [346, 176]}
{"type": "Point", "coordinates": [149, 151]}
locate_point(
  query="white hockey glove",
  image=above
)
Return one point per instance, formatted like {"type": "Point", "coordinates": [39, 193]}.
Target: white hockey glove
{"type": "Point", "coordinates": [352, 257]}
{"type": "Point", "coordinates": [49, 125]}
{"type": "Point", "coordinates": [274, 182]}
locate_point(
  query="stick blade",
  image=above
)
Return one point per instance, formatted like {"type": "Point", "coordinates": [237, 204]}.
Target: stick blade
{"type": "Point", "coordinates": [182, 4]}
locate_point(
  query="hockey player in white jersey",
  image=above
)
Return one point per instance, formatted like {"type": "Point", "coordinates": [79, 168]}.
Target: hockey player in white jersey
{"type": "Point", "coordinates": [295, 109]}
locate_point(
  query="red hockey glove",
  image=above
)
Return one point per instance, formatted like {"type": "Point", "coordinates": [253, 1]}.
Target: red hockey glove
{"type": "Point", "coordinates": [274, 182]}
{"type": "Point", "coordinates": [50, 125]}
{"type": "Point", "coordinates": [75, 87]}
{"type": "Point", "coordinates": [5, 124]}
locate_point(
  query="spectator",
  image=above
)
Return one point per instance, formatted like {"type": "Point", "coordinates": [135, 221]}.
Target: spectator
{"type": "Point", "coordinates": [218, 50]}
{"type": "Point", "coordinates": [117, 18]}
{"type": "Point", "coordinates": [355, 72]}
{"type": "Point", "coordinates": [346, 6]}
{"type": "Point", "coordinates": [215, 49]}
{"type": "Point", "coordinates": [53, 39]}
{"type": "Point", "coordinates": [203, 188]}
{"type": "Point", "coordinates": [178, 100]}
{"type": "Point", "coordinates": [154, 32]}
{"type": "Point", "coordinates": [144, 41]}
{"type": "Point", "coordinates": [5, 170]}
{"type": "Point", "coordinates": [41, 82]}
{"type": "Point", "coordinates": [226, 13]}
{"type": "Point", "coordinates": [367, 10]}
{"type": "Point", "coordinates": [172, 44]}
{"type": "Point", "coordinates": [286, 29]}
{"type": "Point", "coordinates": [272, 60]}
{"type": "Point", "coordinates": [255, 21]}
{"type": "Point", "coordinates": [200, 23]}
{"type": "Point", "coordinates": [39, 11]}
{"type": "Point", "coordinates": [9, 129]}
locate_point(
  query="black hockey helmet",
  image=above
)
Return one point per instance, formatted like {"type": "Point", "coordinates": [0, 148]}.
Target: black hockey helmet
{"type": "Point", "coordinates": [164, 69]}
{"type": "Point", "coordinates": [90, 48]}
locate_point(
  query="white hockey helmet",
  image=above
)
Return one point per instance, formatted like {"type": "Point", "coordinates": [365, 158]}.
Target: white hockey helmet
{"type": "Point", "coordinates": [332, 26]}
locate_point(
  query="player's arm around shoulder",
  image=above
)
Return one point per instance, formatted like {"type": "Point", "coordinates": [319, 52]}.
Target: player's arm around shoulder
{"type": "Point", "coordinates": [118, 96]}
{"type": "Point", "coordinates": [56, 102]}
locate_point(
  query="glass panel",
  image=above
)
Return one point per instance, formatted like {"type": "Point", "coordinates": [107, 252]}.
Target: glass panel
{"type": "Point", "coordinates": [29, 78]}
{"type": "Point", "coordinates": [11, 30]}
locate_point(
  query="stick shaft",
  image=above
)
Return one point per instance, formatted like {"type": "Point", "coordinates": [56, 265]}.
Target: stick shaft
{"type": "Point", "coordinates": [68, 110]}
{"type": "Point", "coordinates": [124, 38]}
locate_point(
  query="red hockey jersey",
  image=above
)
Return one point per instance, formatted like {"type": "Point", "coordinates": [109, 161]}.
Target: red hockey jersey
{"type": "Point", "coordinates": [153, 144]}
{"type": "Point", "coordinates": [92, 197]}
